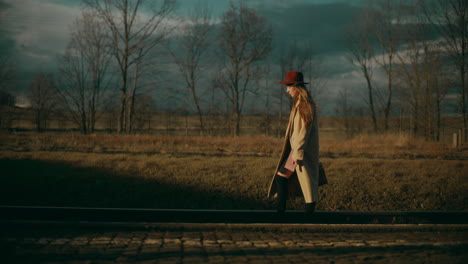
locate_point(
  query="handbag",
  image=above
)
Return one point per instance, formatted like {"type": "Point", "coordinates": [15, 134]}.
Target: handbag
{"type": "Point", "coordinates": [322, 180]}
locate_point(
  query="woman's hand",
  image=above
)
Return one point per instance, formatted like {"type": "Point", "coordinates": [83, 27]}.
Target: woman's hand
{"type": "Point", "coordinates": [298, 162]}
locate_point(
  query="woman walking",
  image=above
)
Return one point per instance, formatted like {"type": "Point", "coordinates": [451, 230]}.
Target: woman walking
{"type": "Point", "coordinates": [299, 161]}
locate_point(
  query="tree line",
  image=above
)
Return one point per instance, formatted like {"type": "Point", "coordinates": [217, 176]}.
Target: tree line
{"type": "Point", "coordinates": [120, 42]}
{"type": "Point", "coordinates": [420, 47]}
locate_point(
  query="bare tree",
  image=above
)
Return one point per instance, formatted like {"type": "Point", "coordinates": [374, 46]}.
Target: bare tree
{"type": "Point", "coordinates": [424, 79]}
{"type": "Point", "coordinates": [265, 125]}
{"type": "Point", "coordinates": [142, 120]}
{"type": "Point", "coordinates": [437, 84]}
{"type": "Point", "coordinates": [134, 82]}
{"type": "Point", "coordinates": [217, 118]}
{"type": "Point", "coordinates": [344, 110]}
{"type": "Point", "coordinates": [314, 72]}
{"type": "Point", "coordinates": [361, 54]}
{"type": "Point", "coordinates": [6, 71]}
{"type": "Point", "coordinates": [451, 19]}
{"type": "Point", "coordinates": [244, 39]}
{"type": "Point", "coordinates": [84, 72]}
{"type": "Point", "coordinates": [387, 20]}
{"type": "Point", "coordinates": [43, 99]}
{"type": "Point", "coordinates": [7, 102]}
{"type": "Point", "coordinates": [192, 49]}
{"type": "Point", "coordinates": [134, 35]}
{"type": "Point", "coordinates": [6, 98]}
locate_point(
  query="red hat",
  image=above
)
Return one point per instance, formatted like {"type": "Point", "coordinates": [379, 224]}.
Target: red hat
{"type": "Point", "coordinates": [293, 77]}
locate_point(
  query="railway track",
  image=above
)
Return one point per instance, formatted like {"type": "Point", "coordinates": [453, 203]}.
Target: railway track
{"type": "Point", "coordinates": [129, 215]}
{"type": "Point", "coordinates": [31, 234]}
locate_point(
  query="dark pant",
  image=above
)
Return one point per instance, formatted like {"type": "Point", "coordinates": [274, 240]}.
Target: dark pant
{"type": "Point", "coordinates": [282, 189]}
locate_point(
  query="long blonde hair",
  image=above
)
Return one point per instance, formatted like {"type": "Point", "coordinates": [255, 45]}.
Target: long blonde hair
{"type": "Point", "coordinates": [306, 103]}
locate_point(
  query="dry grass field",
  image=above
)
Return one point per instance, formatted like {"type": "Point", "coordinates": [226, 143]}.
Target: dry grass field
{"type": "Point", "coordinates": [382, 172]}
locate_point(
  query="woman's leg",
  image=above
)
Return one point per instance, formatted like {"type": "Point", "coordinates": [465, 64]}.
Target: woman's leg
{"type": "Point", "coordinates": [282, 188]}
{"type": "Point", "coordinates": [281, 180]}
{"type": "Point", "coordinates": [310, 208]}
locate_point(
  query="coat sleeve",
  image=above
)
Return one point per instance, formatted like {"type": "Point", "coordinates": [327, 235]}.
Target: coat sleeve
{"type": "Point", "coordinates": [299, 137]}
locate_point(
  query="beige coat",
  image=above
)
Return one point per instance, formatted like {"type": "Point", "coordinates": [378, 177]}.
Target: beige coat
{"type": "Point", "coordinates": [303, 141]}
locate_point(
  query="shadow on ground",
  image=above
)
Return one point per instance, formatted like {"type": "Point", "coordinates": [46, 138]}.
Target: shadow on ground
{"type": "Point", "coordinates": [42, 183]}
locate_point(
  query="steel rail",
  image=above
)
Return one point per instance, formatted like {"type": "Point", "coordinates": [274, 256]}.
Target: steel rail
{"type": "Point", "coordinates": [42, 213]}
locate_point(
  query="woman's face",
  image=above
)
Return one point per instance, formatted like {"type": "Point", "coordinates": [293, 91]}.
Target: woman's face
{"type": "Point", "coordinates": [292, 91]}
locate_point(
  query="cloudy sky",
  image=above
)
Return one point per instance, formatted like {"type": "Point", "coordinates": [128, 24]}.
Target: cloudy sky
{"type": "Point", "coordinates": [34, 32]}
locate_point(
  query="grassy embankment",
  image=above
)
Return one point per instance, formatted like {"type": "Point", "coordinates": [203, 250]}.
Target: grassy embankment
{"type": "Point", "coordinates": [365, 173]}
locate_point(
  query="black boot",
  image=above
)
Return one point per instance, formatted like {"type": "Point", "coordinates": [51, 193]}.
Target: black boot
{"type": "Point", "coordinates": [309, 208]}
{"type": "Point", "coordinates": [282, 187]}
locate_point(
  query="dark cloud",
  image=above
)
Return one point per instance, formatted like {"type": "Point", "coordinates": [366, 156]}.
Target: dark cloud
{"type": "Point", "coordinates": [322, 25]}
{"type": "Point", "coordinates": [35, 33]}
{"type": "Point", "coordinates": [7, 44]}
{"type": "Point", "coordinates": [3, 5]}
